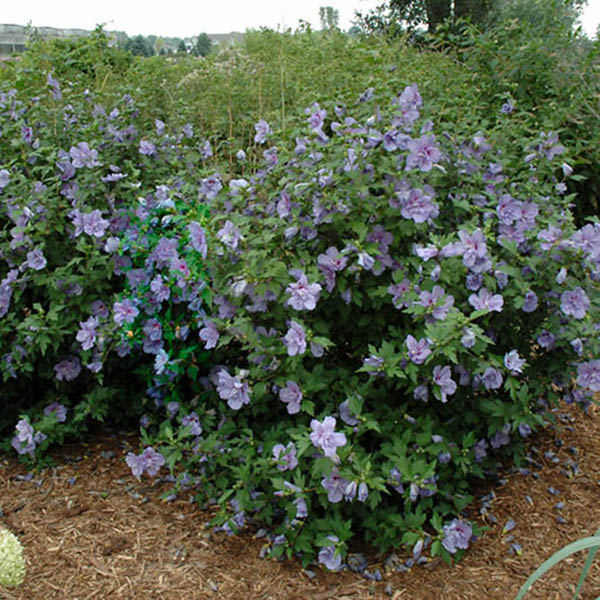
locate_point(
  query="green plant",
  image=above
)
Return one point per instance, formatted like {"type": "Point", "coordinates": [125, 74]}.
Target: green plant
{"type": "Point", "coordinates": [592, 542]}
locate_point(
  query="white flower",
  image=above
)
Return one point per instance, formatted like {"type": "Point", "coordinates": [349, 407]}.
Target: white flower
{"type": "Point", "coordinates": [12, 563]}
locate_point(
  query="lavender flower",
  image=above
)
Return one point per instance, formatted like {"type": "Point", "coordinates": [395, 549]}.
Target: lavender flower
{"type": "Point", "coordinates": [36, 260]}
{"type": "Point", "coordinates": [303, 295]}
{"type": "Point", "coordinates": [4, 178]}
{"type": "Point", "coordinates": [24, 442]}
{"type": "Point", "coordinates": [193, 422]}
{"type": "Point", "coordinates": [262, 131]}
{"type": "Point", "coordinates": [492, 379]}
{"type": "Point", "coordinates": [485, 300]}
{"type": "Point", "coordinates": [501, 437]}
{"type": "Point", "coordinates": [442, 377]}
{"type": "Point", "coordinates": [209, 334]}
{"type": "Point", "coordinates": [230, 235]}
{"type": "Point", "coordinates": [328, 556]}
{"type": "Point", "coordinates": [295, 339]}
{"type": "Point", "coordinates": [233, 390]}
{"type": "Point", "coordinates": [58, 410]}
{"type": "Point", "coordinates": [588, 375]}
{"type": "Point", "coordinates": [67, 369]}
{"type": "Point", "coordinates": [149, 461]}
{"type": "Point", "coordinates": [147, 148]}
{"type": "Point", "coordinates": [418, 351]}
{"type": "Point", "coordinates": [87, 334]}
{"type": "Point", "coordinates": [325, 437]}
{"type": "Point", "coordinates": [84, 156]}
{"type": "Point", "coordinates": [513, 362]}
{"type": "Point", "coordinates": [124, 312]}
{"type": "Point", "coordinates": [291, 395]}
{"type": "Point", "coordinates": [530, 302]}
{"type": "Point", "coordinates": [345, 415]}
{"type": "Point", "coordinates": [335, 485]}
{"type": "Point", "coordinates": [575, 303]}
{"type": "Point", "coordinates": [457, 535]}
{"type": "Point", "coordinates": [285, 456]}
{"type": "Point", "coordinates": [423, 153]}
{"type": "Point", "coordinates": [211, 186]}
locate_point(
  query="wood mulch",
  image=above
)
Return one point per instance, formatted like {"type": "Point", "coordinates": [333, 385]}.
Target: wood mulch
{"type": "Point", "coordinates": [91, 530]}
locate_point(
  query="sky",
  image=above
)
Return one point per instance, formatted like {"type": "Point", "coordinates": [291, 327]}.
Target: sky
{"type": "Point", "coordinates": [186, 18]}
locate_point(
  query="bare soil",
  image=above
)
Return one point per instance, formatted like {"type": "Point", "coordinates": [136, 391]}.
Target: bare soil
{"type": "Point", "coordinates": [91, 530]}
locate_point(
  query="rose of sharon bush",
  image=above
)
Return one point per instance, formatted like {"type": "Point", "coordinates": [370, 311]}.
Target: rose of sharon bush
{"type": "Point", "coordinates": [366, 285]}
{"type": "Point", "coordinates": [382, 277]}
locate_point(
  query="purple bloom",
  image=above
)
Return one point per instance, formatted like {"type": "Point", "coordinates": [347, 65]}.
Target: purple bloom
{"type": "Point", "coordinates": [421, 393]}
{"type": "Point", "coordinates": [94, 224]}
{"type": "Point", "coordinates": [574, 303]}
{"type": "Point", "coordinates": [415, 204]}
{"type": "Point", "coordinates": [295, 339]}
{"type": "Point", "coordinates": [485, 300]}
{"type": "Point", "coordinates": [423, 153]}
{"type": "Point", "coordinates": [67, 369]}
{"type": "Point", "coordinates": [54, 87]}
{"type": "Point", "coordinates": [262, 131]}
{"type": "Point", "coordinates": [492, 379]}
{"type": "Point", "coordinates": [473, 248]}
{"type": "Point", "coordinates": [87, 334]}
{"type": "Point", "coordinates": [513, 362]}
{"type": "Point", "coordinates": [211, 186]}
{"type": "Point", "coordinates": [345, 414]}
{"type": "Point", "coordinates": [328, 556]}
{"type": "Point", "coordinates": [209, 334]}
{"type": "Point", "coordinates": [588, 375]}
{"type": "Point", "coordinates": [442, 377]}
{"type": "Point", "coordinates": [285, 456]}
{"type": "Point", "coordinates": [291, 395]}
{"type": "Point", "coordinates": [335, 486]}
{"type": "Point", "coordinates": [160, 290]}
{"type": "Point", "coordinates": [59, 411]}
{"type": "Point", "coordinates": [324, 437]}
{"type": "Point", "coordinates": [398, 291]}
{"type": "Point", "coordinates": [193, 422]}
{"type": "Point", "coordinates": [303, 295]}
{"type": "Point", "coordinates": [546, 340]}
{"type": "Point", "coordinates": [147, 148]}
{"type": "Point", "coordinates": [435, 302]}
{"type": "Point", "coordinates": [124, 312]}
{"type": "Point", "coordinates": [530, 302]}
{"type": "Point", "coordinates": [4, 178]}
{"type": "Point", "coordinates": [230, 235]}
{"type": "Point", "coordinates": [479, 450]}
{"type": "Point", "coordinates": [36, 260]}
{"type": "Point", "coordinates": [418, 351]}
{"type": "Point", "coordinates": [270, 157]}
{"type": "Point", "coordinates": [507, 108]}
{"type": "Point", "coordinates": [149, 460]}
{"type": "Point", "coordinates": [457, 535]}
{"type": "Point", "coordinates": [501, 437]}
{"type": "Point", "coordinates": [24, 442]}
{"type": "Point", "coordinates": [84, 156]}
{"type": "Point", "coordinates": [233, 390]}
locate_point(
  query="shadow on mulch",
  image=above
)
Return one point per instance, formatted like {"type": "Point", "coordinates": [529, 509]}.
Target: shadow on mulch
{"type": "Point", "coordinates": [90, 530]}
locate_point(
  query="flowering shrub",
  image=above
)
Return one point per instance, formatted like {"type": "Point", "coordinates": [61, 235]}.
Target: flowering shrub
{"type": "Point", "coordinates": [389, 304]}
{"type": "Point", "coordinates": [12, 563]}
{"type": "Point", "coordinates": [396, 304]}
{"type": "Point", "coordinates": [74, 175]}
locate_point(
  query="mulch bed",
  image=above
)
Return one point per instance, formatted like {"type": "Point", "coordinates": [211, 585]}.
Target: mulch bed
{"type": "Point", "coordinates": [91, 530]}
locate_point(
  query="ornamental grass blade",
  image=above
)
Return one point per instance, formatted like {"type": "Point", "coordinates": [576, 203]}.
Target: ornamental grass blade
{"type": "Point", "coordinates": [586, 567]}
{"type": "Point", "coordinates": [583, 544]}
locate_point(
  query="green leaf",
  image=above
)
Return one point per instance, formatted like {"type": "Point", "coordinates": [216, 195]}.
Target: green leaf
{"type": "Point", "coordinates": [588, 542]}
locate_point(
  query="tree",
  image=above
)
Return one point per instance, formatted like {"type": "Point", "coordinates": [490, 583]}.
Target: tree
{"type": "Point", "coordinates": [329, 17]}
{"type": "Point", "coordinates": [181, 47]}
{"type": "Point", "coordinates": [139, 46]}
{"type": "Point", "coordinates": [413, 14]}
{"type": "Point", "coordinates": [203, 45]}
